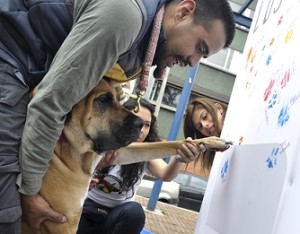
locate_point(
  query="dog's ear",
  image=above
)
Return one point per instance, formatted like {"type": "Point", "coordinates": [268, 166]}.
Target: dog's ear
{"type": "Point", "coordinates": [121, 96]}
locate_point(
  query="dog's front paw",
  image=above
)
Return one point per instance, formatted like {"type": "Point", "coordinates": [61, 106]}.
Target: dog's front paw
{"type": "Point", "coordinates": [213, 144]}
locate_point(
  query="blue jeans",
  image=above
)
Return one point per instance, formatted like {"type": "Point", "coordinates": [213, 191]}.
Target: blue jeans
{"type": "Point", "coordinates": [13, 107]}
{"type": "Point", "coordinates": [128, 218]}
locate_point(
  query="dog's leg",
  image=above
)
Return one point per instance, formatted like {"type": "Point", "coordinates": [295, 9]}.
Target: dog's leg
{"type": "Point", "coordinates": [138, 152]}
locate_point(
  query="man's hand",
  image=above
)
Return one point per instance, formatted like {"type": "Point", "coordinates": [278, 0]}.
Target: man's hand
{"type": "Point", "coordinates": [36, 209]}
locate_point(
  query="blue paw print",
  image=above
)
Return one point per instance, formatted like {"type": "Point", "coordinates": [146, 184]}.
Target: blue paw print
{"type": "Point", "coordinates": [224, 170]}
{"type": "Point", "coordinates": [272, 159]}
{"type": "Point", "coordinates": [273, 100]}
{"type": "Point", "coordinates": [283, 116]}
{"type": "Point", "coordinates": [269, 59]}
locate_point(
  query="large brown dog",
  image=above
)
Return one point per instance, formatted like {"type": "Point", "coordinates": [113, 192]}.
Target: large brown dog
{"type": "Point", "coordinates": [97, 124]}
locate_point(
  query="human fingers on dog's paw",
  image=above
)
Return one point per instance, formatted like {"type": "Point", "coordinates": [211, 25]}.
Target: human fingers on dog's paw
{"type": "Point", "coordinates": [193, 152]}
{"type": "Point", "coordinates": [202, 147]}
{"type": "Point", "coordinates": [108, 155]}
{"type": "Point", "coordinates": [108, 159]}
{"type": "Point", "coordinates": [179, 151]}
{"type": "Point", "coordinates": [188, 139]}
{"type": "Point", "coordinates": [186, 155]}
{"type": "Point", "coordinates": [182, 155]}
{"type": "Point", "coordinates": [191, 146]}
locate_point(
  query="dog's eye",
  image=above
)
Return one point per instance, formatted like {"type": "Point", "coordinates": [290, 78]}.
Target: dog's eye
{"type": "Point", "coordinates": [104, 98]}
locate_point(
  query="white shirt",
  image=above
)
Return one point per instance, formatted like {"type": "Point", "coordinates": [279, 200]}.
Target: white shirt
{"type": "Point", "coordinates": [107, 192]}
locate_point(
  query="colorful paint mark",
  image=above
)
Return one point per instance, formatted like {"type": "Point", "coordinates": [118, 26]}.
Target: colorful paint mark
{"type": "Point", "coordinates": [288, 36]}
{"type": "Point", "coordinates": [280, 20]}
{"type": "Point", "coordinates": [224, 170]}
{"type": "Point", "coordinates": [283, 116]}
{"type": "Point", "coordinates": [249, 54]}
{"type": "Point", "coordinates": [272, 159]}
{"type": "Point", "coordinates": [269, 59]}
{"type": "Point", "coordinates": [273, 100]}
{"type": "Point", "coordinates": [268, 90]}
{"type": "Point", "coordinates": [286, 78]}
{"type": "Point", "coordinates": [241, 140]}
{"type": "Point", "coordinates": [250, 59]}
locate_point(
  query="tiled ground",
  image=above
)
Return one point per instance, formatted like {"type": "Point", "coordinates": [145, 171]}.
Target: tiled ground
{"type": "Point", "coordinates": [169, 219]}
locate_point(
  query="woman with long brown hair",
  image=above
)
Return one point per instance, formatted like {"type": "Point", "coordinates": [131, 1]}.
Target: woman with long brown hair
{"type": "Point", "coordinates": [204, 117]}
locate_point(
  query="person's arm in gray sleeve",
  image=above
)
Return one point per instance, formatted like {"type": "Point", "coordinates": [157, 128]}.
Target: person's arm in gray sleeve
{"type": "Point", "coordinates": [101, 33]}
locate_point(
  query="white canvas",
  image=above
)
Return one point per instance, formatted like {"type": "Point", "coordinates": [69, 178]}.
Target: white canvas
{"type": "Point", "coordinates": [238, 200]}
{"type": "Point", "coordinates": [264, 109]}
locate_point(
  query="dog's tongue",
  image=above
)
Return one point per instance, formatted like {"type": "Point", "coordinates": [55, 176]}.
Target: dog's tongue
{"type": "Point", "coordinates": [159, 73]}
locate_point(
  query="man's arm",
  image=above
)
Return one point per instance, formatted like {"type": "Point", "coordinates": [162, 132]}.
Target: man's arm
{"type": "Point", "coordinates": [93, 46]}
{"type": "Point", "coordinates": [102, 31]}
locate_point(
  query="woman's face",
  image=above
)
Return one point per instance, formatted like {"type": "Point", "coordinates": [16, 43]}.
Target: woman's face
{"type": "Point", "coordinates": [145, 115]}
{"type": "Point", "coordinates": [204, 122]}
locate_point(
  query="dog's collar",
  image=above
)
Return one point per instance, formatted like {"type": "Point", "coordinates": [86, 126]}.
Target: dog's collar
{"type": "Point", "coordinates": [63, 138]}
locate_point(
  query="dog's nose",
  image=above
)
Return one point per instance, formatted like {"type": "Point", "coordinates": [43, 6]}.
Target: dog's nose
{"type": "Point", "coordinates": [138, 123]}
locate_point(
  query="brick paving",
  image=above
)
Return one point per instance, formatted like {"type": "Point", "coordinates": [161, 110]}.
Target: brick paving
{"type": "Point", "coordinates": [169, 219]}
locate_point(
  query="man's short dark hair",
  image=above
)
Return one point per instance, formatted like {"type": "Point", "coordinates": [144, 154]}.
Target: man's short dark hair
{"type": "Point", "coordinates": [210, 10]}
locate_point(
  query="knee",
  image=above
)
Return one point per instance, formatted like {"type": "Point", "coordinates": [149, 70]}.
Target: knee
{"type": "Point", "coordinates": [134, 211]}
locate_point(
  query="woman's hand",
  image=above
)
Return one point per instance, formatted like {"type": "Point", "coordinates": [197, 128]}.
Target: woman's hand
{"type": "Point", "coordinates": [188, 151]}
{"type": "Point", "coordinates": [107, 160]}
{"type": "Point", "coordinates": [93, 182]}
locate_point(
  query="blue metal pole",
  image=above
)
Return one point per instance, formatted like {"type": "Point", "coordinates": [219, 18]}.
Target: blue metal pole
{"type": "Point", "coordinates": [184, 98]}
